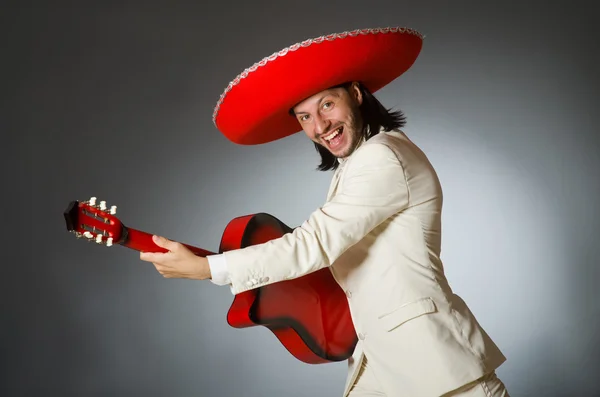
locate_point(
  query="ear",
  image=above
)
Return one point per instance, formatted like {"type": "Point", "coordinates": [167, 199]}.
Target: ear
{"type": "Point", "coordinates": [356, 92]}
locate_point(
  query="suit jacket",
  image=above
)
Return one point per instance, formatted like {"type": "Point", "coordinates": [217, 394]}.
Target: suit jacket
{"type": "Point", "coordinates": [379, 232]}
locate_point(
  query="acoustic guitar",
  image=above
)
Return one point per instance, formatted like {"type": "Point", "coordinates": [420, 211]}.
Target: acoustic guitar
{"type": "Point", "coordinates": [309, 315]}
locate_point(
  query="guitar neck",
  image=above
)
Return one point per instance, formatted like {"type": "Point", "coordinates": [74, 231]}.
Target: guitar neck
{"type": "Point", "coordinates": [142, 241]}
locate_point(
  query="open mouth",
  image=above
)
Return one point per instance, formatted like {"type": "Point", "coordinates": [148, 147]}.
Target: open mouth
{"type": "Point", "coordinates": [334, 139]}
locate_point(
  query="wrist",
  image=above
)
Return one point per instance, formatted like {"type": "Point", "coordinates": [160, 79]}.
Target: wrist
{"type": "Point", "coordinates": [204, 269]}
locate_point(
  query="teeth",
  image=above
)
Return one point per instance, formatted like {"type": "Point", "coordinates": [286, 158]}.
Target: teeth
{"type": "Point", "coordinates": [333, 135]}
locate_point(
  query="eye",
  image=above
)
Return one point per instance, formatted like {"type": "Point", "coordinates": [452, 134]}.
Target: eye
{"type": "Point", "coordinates": [327, 105]}
{"type": "Point", "coordinates": [304, 117]}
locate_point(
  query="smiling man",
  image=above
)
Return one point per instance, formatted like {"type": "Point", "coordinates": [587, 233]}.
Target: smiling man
{"type": "Point", "coordinates": [332, 119]}
{"type": "Point", "coordinates": [379, 230]}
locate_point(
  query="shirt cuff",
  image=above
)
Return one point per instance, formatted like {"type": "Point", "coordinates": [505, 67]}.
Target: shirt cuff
{"type": "Point", "coordinates": [218, 269]}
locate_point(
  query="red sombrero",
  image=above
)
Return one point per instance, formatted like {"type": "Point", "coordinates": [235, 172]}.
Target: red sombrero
{"type": "Point", "coordinates": [254, 108]}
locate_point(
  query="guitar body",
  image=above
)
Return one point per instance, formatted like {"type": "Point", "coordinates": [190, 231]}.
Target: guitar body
{"type": "Point", "coordinates": [309, 315]}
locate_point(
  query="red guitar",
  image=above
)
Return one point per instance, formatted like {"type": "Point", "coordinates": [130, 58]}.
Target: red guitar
{"type": "Point", "coordinates": [309, 315]}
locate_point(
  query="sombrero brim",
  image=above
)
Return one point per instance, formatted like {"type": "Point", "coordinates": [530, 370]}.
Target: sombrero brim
{"type": "Point", "coordinates": [254, 108]}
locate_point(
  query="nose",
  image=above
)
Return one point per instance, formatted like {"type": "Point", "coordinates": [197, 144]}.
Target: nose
{"type": "Point", "coordinates": [321, 125]}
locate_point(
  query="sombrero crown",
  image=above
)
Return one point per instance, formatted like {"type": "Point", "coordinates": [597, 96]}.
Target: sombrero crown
{"type": "Point", "coordinates": [254, 108]}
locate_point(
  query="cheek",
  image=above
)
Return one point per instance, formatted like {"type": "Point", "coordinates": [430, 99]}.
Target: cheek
{"type": "Point", "coordinates": [347, 115]}
{"type": "Point", "coordinates": [353, 118]}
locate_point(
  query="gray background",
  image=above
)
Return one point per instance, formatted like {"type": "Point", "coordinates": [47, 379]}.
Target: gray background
{"type": "Point", "coordinates": [115, 100]}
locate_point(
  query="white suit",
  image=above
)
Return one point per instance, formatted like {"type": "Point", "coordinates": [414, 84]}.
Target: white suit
{"type": "Point", "coordinates": [379, 233]}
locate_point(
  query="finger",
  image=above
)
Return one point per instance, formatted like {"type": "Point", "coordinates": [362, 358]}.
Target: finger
{"type": "Point", "coordinates": [147, 256]}
{"type": "Point", "coordinates": [164, 272]}
{"type": "Point", "coordinates": [152, 256]}
{"type": "Point", "coordinates": [165, 243]}
{"type": "Point", "coordinates": [161, 269]}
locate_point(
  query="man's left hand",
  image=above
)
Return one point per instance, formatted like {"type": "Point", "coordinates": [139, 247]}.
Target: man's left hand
{"type": "Point", "coordinates": [178, 262]}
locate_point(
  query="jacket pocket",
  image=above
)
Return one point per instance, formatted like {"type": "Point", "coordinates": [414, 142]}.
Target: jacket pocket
{"type": "Point", "coordinates": [407, 312]}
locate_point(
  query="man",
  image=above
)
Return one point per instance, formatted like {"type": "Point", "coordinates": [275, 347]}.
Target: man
{"type": "Point", "coordinates": [379, 231]}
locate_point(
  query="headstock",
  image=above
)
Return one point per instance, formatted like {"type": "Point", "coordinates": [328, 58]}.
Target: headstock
{"type": "Point", "coordinates": [94, 222]}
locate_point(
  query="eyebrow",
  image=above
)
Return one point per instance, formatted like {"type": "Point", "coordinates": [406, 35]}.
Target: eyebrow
{"type": "Point", "coordinates": [319, 101]}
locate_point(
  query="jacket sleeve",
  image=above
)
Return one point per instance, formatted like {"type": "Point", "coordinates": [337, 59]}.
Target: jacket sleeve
{"type": "Point", "coordinates": [372, 189]}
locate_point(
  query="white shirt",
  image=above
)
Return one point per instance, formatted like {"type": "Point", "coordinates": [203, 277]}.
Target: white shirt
{"type": "Point", "coordinates": [218, 269]}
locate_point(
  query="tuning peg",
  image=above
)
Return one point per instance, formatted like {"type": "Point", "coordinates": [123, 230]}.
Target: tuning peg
{"type": "Point", "coordinates": [99, 239]}
{"type": "Point", "coordinates": [102, 205]}
{"type": "Point", "coordinates": [109, 241]}
{"type": "Point", "coordinates": [92, 201]}
{"type": "Point", "coordinates": [113, 210]}
{"type": "Point", "coordinates": [78, 234]}
{"type": "Point", "coordinates": [88, 234]}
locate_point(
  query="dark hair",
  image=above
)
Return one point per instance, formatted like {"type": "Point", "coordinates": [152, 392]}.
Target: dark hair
{"type": "Point", "coordinates": [375, 117]}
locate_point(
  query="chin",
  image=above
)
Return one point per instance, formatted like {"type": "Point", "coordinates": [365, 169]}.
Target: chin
{"type": "Point", "coordinates": [342, 154]}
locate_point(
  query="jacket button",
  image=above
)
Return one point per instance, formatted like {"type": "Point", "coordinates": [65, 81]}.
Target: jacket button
{"type": "Point", "coordinates": [361, 336]}
{"type": "Point", "coordinates": [349, 294]}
